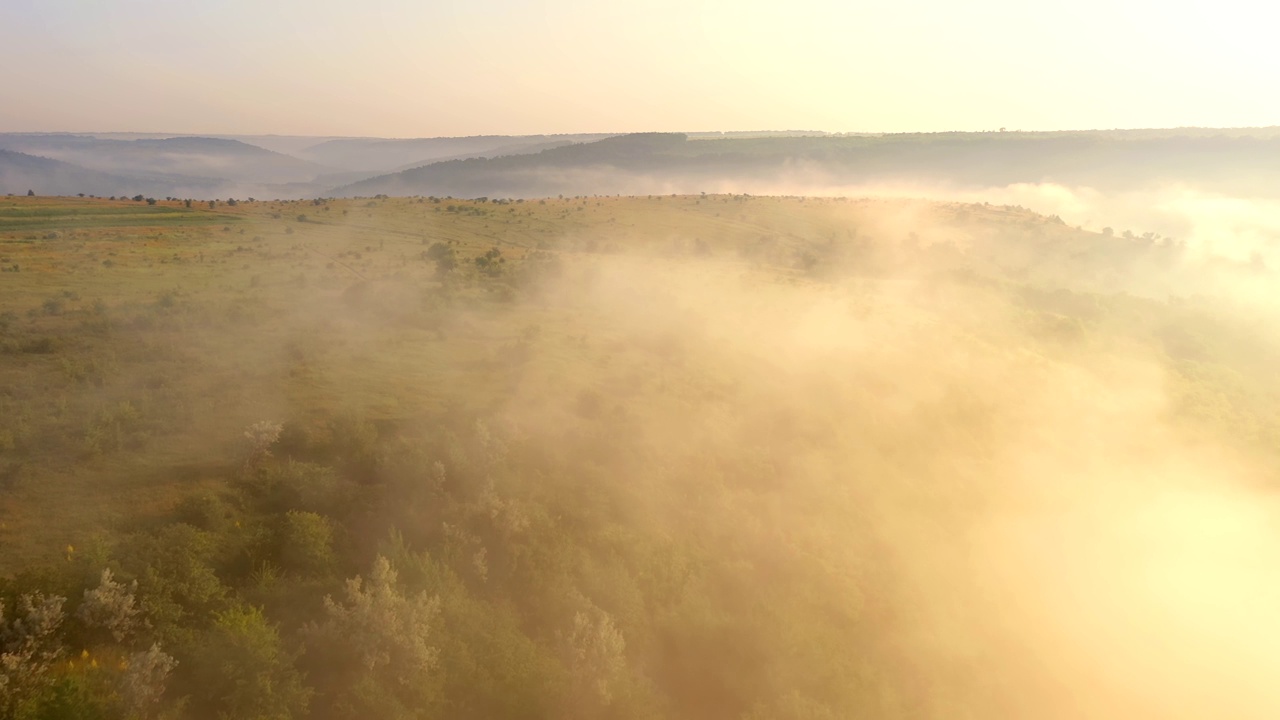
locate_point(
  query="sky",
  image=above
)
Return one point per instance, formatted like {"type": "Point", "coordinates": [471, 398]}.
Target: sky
{"type": "Point", "coordinates": [419, 68]}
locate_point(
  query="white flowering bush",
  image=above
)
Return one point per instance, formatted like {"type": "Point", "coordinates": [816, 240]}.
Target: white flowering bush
{"type": "Point", "coordinates": [381, 626]}
{"type": "Point", "coordinates": [143, 681]}
{"type": "Point", "coordinates": [258, 439]}
{"type": "Point", "coordinates": [29, 649]}
{"type": "Point", "coordinates": [111, 607]}
{"type": "Point", "coordinates": [593, 649]}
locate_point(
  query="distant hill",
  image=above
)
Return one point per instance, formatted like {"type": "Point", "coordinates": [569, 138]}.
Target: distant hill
{"type": "Point", "coordinates": [1228, 161]}
{"type": "Point", "coordinates": [503, 151]}
{"type": "Point", "coordinates": [20, 172]}
{"type": "Point", "coordinates": [230, 167]}
{"type": "Point", "coordinates": [383, 155]}
{"type": "Point", "coordinates": [186, 156]}
{"type": "Point", "coordinates": [1240, 161]}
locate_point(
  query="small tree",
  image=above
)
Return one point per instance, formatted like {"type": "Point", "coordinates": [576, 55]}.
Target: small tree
{"type": "Point", "coordinates": [244, 671]}
{"type": "Point", "coordinates": [386, 632]}
{"type": "Point", "coordinates": [29, 650]}
{"type": "Point", "coordinates": [143, 682]}
{"type": "Point", "coordinates": [258, 439]}
{"type": "Point", "coordinates": [593, 651]}
{"type": "Point", "coordinates": [31, 193]}
{"type": "Point", "coordinates": [110, 607]}
{"type": "Point", "coordinates": [444, 257]}
{"type": "Point", "coordinates": [306, 543]}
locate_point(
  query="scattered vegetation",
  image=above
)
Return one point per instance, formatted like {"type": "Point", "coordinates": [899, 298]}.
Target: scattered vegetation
{"type": "Point", "coordinates": [709, 456]}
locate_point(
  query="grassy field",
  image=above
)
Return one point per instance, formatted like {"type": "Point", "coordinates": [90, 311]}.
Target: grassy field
{"type": "Point", "coordinates": [31, 214]}
{"type": "Point", "coordinates": [743, 396]}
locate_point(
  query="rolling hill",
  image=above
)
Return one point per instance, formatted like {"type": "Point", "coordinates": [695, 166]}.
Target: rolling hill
{"type": "Point", "coordinates": [380, 155]}
{"type": "Point", "coordinates": [184, 156]}
{"type": "Point", "coordinates": [20, 172]}
{"type": "Point", "coordinates": [1233, 162]}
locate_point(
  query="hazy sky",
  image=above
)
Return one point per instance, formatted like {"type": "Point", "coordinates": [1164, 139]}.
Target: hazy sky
{"type": "Point", "coordinates": [423, 67]}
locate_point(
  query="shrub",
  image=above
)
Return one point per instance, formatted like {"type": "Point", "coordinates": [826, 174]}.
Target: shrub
{"type": "Point", "coordinates": [306, 543]}
{"type": "Point", "coordinates": [243, 671]}
{"type": "Point", "coordinates": [258, 439]}
{"type": "Point", "coordinates": [110, 607]}
{"type": "Point", "coordinates": [292, 485]}
{"type": "Point", "coordinates": [114, 428]}
{"type": "Point", "coordinates": [384, 635]}
{"type": "Point", "coordinates": [29, 650]}
{"type": "Point", "coordinates": [143, 681]}
{"type": "Point", "coordinates": [204, 511]}
{"type": "Point", "coordinates": [40, 346]}
{"type": "Point", "coordinates": [176, 581]}
{"type": "Point", "coordinates": [593, 651]}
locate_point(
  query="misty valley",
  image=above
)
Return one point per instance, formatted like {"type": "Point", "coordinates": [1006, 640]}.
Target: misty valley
{"type": "Point", "coordinates": [556, 452]}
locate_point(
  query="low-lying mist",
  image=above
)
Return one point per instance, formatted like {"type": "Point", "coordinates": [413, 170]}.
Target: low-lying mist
{"type": "Point", "coordinates": [1210, 223]}
{"type": "Point", "coordinates": [1020, 531]}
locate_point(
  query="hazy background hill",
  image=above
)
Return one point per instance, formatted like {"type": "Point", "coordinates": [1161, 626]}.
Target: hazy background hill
{"type": "Point", "coordinates": [1111, 163]}
{"type": "Point", "coordinates": [274, 166]}
{"type": "Point", "coordinates": [187, 156]}
{"type": "Point", "coordinates": [59, 164]}
{"type": "Point", "coordinates": [1232, 162]}
{"type": "Point", "coordinates": [20, 172]}
{"type": "Point", "coordinates": [383, 155]}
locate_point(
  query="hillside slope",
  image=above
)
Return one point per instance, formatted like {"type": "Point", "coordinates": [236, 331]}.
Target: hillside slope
{"type": "Point", "coordinates": [656, 163]}
{"type": "Point", "coordinates": [383, 155]}
{"type": "Point", "coordinates": [198, 157]}
{"type": "Point", "coordinates": [20, 172]}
